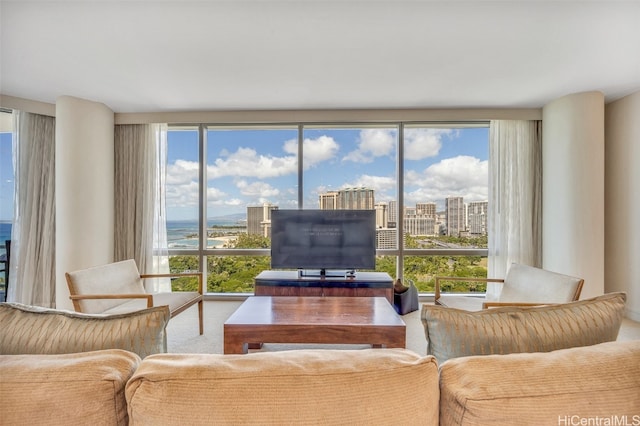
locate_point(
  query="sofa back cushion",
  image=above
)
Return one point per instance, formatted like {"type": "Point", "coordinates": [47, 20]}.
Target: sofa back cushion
{"type": "Point", "coordinates": [329, 387]}
{"type": "Point", "coordinates": [454, 333]}
{"type": "Point", "coordinates": [564, 387]}
{"type": "Point", "coordinates": [35, 330]}
{"type": "Point", "coordinates": [71, 389]}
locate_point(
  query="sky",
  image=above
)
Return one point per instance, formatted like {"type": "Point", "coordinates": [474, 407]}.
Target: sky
{"type": "Point", "coordinates": [251, 167]}
{"type": "Point", "coordinates": [6, 177]}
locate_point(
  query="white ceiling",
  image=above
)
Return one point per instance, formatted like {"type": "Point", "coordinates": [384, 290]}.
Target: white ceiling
{"type": "Point", "coordinates": [141, 56]}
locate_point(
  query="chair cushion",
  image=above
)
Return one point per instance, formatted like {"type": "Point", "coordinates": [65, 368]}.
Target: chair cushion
{"type": "Point", "coordinates": [114, 278]}
{"type": "Point", "coordinates": [563, 387]}
{"type": "Point", "coordinates": [455, 333]}
{"type": "Point", "coordinates": [329, 387]}
{"type": "Point", "coordinates": [35, 330]}
{"type": "Point", "coordinates": [72, 389]}
{"type": "Point", "coordinates": [534, 285]}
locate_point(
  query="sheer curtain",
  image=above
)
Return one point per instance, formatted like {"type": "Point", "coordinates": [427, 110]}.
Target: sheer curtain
{"type": "Point", "coordinates": [140, 223]}
{"type": "Point", "coordinates": [32, 275]}
{"type": "Point", "coordinates": [515, 196]}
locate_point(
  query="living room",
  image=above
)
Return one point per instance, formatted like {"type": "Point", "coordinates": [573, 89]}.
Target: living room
{"type": "Point", "coordinates": [98, 65]}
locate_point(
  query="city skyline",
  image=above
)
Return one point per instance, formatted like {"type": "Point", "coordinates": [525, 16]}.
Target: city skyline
{"type": "Point", "coordinates": [249, 167]}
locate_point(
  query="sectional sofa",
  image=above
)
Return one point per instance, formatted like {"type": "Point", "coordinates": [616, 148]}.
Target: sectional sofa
{"type": "Point", "coordinates": [557, 365]}
{"type": "Point", "coordinates": [598, 383]}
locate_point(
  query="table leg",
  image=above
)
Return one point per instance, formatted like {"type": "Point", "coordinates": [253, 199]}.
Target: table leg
{"type": "Point", "coordinates": [234, 344]}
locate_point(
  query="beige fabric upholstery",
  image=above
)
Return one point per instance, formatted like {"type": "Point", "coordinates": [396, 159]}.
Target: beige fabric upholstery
{"type": "Point", "coordinates": [118, 288]}
{"type": "Point", "coordinates": [523, 284]}
{"type": "Point", "coordinates": [71, 389]}
{"type": "Point", "coordinates": [35, 330]}
{"type": "Point", "coordinates": [303, 387]}
{"type": "Point", "coordinates": [453, 333]}
{"type": "Point", "coordinates": [564, 387]}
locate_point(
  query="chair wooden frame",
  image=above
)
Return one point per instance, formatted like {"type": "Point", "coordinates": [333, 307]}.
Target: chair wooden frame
{"type": "Point", "coordinates": [76, 298]}
{"type": "Point", "coordinates": [486, 305]}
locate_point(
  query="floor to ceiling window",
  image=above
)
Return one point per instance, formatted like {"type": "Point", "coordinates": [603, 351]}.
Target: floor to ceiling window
{"type": "Point", "coordinates": [7, 191]}
{"type": "Point", "coordinates": [426, 182]}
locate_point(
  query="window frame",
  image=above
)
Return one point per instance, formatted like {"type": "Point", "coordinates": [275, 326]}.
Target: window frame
{"type": "Point", "coordinates": [399, 252]}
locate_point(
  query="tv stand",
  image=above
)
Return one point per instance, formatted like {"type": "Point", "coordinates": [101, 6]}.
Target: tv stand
{"type": "Point", "coordinates": [326, 273]}
{"type": "Point", "coordinates": [291, 283]}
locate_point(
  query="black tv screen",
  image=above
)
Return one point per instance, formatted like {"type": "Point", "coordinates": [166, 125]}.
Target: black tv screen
{"type": "Point", "coordinates": [323, 239]}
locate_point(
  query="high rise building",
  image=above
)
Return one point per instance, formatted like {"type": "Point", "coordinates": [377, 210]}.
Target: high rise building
{"type": "Point", "coordinates": [392, 214]}
{"type": "Point", "coordinates": [455, 209]}
{"type": "Point", "coordinates": [426, 209]}
{"type": "Point", "coordinates": [420, 225]}
{"type": "Point", "coordinates": [348, 199]}
{"type": "Point", "coordinates": [386, 238]}
{"type": "Point", "coordinates": [329, 200]}
{"type": "Point", "coordinates": [259, 219]}
{"type": "Point", "coordinates": [382, 215]}
{"type": "Point", "coordinates": [477, 217]}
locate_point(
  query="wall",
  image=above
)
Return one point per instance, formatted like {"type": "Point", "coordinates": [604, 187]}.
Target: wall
{"type": "Point", "coordinates": [84, 189]}
{"type": "Point", "coordinates": [622, 200]}
{"type": "Point", "coordinates": [573, 188]}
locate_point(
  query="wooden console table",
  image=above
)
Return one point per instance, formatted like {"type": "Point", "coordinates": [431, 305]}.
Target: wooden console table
{"type": "Point", "coordinates": [289, 283]}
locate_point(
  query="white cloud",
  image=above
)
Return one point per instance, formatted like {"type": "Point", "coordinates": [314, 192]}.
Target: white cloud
{"type": "Point", "coordinates": [246, 162]}
{"type": "Point", "coordinates": [380, 183]}
{"type": "Point", "coordinates": [458, 176]}
{"type": "Point", "coordinates": [373, 143]}
{"type": "Point", "coordinates": [261, 190]}
{"type": "Point", "coordinates": [182, 172]}
{"type": "Point", "coordinates": [216, 195]}
{"type": "Point", "coordinates": [423, 143]}
{"type": "Point", "coordinates": [315, 151]}
{"type": "Point", "coordinates": [182, 195]}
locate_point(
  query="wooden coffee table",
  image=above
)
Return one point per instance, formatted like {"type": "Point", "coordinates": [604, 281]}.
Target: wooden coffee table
{"type": "Point", "coordinates": [327, 320]}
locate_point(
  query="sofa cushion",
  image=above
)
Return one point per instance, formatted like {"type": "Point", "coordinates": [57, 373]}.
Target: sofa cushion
{"type": "Point", "coordinates": [35, 330]}
{"type": "Point", "coordinates": [564, 387]}
{"type": "Point", "coordinates": [71, 389]}
{"type": "Point", "coordinates": [454, 333]}
{"type": "Point", "coordinates": [330, 387]}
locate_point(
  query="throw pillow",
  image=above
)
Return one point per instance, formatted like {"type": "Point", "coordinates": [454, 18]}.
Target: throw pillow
{"type": "Point", "coordinates": [35, 330]}
{"type": "Point", "coordinates": [70, 389]}
{"type": "Point", "coordinates": [455, 333]}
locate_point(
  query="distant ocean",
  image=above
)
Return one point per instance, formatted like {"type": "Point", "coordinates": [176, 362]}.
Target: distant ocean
{"type": "Point", "coordinates": [179, 232]}
{"type": "Point", "coordinates": [5, 231]}
{"type": "Point", "coordinates": [5, 234]}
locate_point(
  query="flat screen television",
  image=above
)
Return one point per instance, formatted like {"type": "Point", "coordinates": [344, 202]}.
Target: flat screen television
{"type": "Point", "coordinates": [323, 239]}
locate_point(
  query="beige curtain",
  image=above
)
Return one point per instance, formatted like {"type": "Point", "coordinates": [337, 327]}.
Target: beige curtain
{"type": "Point", "coordinates": [515, 196]}
{"type": "Point", "coordinates": [140, 226]}
{"type": "Point", "coordinates": [32, 274]}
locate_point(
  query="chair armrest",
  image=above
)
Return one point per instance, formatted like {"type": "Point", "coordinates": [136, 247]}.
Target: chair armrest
{"type": "Point", "coordinates": [149, 297]}
{"type": "Point", "coordinates": [178, 275]}
{"type": "Point", "coordinates": [485, 280]}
